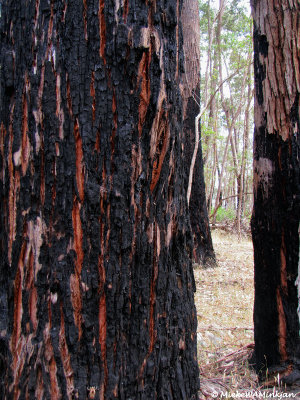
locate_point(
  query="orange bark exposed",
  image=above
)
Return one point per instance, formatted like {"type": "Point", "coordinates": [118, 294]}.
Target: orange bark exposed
{"type": "Point", "coordinates": [282, 327]}
{"type": "Point", "coordinates": [76, 302]}
{"type": "Point", "coordinates": [50, 30]}
{"type": "Point", "coordinates": [59, 111]}
{"type": "Point", "coordinates": [78, 235]}
{"type": "Point", "coordinates": [64, 11]}
{"type": "Point", "coordinates": [283, 272]}
{"type": "Point", "coordinates": [53, 192]}
{"type": "Point", "coordinates": [102, 302]}
{"type": "Point", "coordinates": [75, 278]}
{"type": "Point", "coordinates": [102, 26]}
{"type": "Point", "coordinates": [25, 139]}
{"type": "Point", "coordinates": [49, 355]}
{"type": "Point", "coordinates": [102, 334]}
{"type": "Point", "coordinates": [84, 20]}
{"type": "Point", "coordinates": [55, 392]}
{"type": "Point", "coordinates": [12, 192]}
{"type": "Point", "coordinates": [33, 307]}
{"type": "Point", "coordinates": [42, 189]}
{"type": "Point", "coordinates": [69, 99]}
{"type": "Point", "coordinates": [13, 197]}
{"type": "Point", "coordinates": [144, 78]}
{"type": "Point", "coordinates": [29, 264]}
{"type": "Point", "coordinates": [164, 136]}
{"type": "Point", "coordinates": [39, 391]}
{"type": "Point", "coordinates": [2, 138]}
{"type": "Point", "coordinates": [79, 161]}
{"type": "Point", "coordinates": [66, 359]}
{"type": "Point", "coordinates": [125, 10]}
{"type": "Point", "coordinates": [97, 144]}
{"type": "Point", "coordinates": [152, 331]}
{"type": "Point", "coordinates": [36, 13]}
{"type": "Point", "coordinates": [18, 310]}
{"type": "Point", "coordinates": [18, 342]}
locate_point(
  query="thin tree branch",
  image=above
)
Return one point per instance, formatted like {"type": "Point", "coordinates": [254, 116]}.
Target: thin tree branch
{"type": "Point", "coordinates": [197, 119]}
{"type": "Point", "coordinates": [226, 198]}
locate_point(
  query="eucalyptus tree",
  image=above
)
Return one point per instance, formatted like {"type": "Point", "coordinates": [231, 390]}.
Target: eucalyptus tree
{"type": "Point", "coordinates": [276, 212]}
{"type": "Point", "coordinates": [227, 71]}
{"type": "Point", "coordinates": [96, 274]}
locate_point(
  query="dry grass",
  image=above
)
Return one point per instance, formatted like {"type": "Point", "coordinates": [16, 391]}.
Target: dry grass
{"type": "Point", "coordinates": [224, 301]}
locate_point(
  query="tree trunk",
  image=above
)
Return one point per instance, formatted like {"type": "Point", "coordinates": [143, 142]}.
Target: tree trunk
{"type": "Point", "coordinates": [276, 181]}
{"type": "Point", "coordinates": [213, 176]}
{"type": "Point", "coordinates": [246, 146]}
{"type": "Point", "coordinates": [96, 274]}
{"type": "Point", "coordinates": [203, 248]}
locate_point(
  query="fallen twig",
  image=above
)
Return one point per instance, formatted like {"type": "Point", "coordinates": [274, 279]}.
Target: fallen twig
{"type": "Point", "coordinates": [237, 328]}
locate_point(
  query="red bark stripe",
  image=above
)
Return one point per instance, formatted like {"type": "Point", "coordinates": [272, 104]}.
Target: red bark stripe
{"type": "Point", "coordinates": [125, 10]}
{"type": "Point", "coordinates": [79, 161]}
{"type": "Point", "coordinates": [282, 333]}
{"type": "Point", "coordinates": [157, 165]}
{"type": "Point", "coordinates": [102, 26]}
{"type": "Point", "coordinates": [85, 20]}
{"type": "Point", "coordinates": [25, 139]}
{"type": "Point", "coordinates": [144, 78]}
{"type": "Point", "coordinates": [66, 359]}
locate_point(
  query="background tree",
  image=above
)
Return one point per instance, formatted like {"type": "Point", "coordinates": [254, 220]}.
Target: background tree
{"type": "Point", "coordinates": [96, 278]}
{"type": "Point", "coordinates": [226, 43]}
{"type": "Point", "coordinates": [202, 243]}
{"type": "Point", "coordinates": [276, 211]}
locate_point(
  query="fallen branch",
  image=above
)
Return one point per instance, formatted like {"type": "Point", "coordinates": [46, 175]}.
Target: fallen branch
{"type": "Point", "coordinates": [231, 355]}
{"type": "Point", "coordinates": [225, 329]}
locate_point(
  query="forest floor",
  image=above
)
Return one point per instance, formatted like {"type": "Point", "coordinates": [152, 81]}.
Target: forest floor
{"type": "Point", "coordinates": [224, 301]}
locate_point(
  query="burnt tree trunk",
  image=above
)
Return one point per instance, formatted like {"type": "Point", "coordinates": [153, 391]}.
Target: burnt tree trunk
{"type": "Point", "coordinates": [202, 243]}
{"type": "Point", "coordinates": [96, 274]}
{"type": "Point", "coordinates": [276, 181]}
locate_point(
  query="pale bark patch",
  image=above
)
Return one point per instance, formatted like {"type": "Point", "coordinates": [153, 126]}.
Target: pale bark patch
{"type": "Point", "coordinates": [263, 174]}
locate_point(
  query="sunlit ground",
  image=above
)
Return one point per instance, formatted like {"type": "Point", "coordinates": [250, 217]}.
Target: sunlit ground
{"type": "Point", "coordinates": [224, 301]}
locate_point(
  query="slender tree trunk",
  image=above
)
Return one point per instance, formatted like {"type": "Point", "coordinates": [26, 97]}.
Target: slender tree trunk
{"type": "Point", "coordinates": [231, 121]}
{"type": "Point", "coordinates": [213, 176]}
{"type": "Point", "coordinates": [212, 119]}
{"type": "Point", "coordinates": [96, 274]}
{"type": "Point", "coordinates": [275, 216]}
{"type": "Point", "coordinates": [218, 200]}
{"type": "Point", "coordinates": [203, 248]}
{"type": "Point", "coordinates": [245, 150]}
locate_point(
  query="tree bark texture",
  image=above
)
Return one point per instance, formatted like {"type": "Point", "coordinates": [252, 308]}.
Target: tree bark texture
{"type": "Point", "coordinates": [96, 278]}
{"type": "Point", "coordinates": [202, 243]}
{"type": "Point", "coordinates": [276, 181]}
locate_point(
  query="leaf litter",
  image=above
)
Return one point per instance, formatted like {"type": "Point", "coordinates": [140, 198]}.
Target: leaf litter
{"type": "Point", "coordinates": [224, 301]}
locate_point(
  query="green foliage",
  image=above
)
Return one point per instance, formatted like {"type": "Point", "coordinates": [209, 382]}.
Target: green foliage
{"type": "Point", "coordinates": [225, 214]}
{"type": "Point", "coordinates": [226, 58]}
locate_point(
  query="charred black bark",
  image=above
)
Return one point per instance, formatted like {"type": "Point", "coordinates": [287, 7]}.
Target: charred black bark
{"type": "Point", "coordinates": [202, 243]}
{"type": "Point", "coordinates": [203, 251]}
{"type": "Point", "coordinates": [96, 275]}
{"type": "Point", "coordinates": [276, 211]}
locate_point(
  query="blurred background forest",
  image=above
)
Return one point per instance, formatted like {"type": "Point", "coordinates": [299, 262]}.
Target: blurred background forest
{"type": "Point", "coordinates": [227, 106]}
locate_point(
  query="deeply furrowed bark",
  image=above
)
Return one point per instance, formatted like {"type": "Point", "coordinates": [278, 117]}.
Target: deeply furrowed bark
{"type": "Point", "coordinates": [276, 181]}
{"type": "Point", "coordinates": [96, 278]}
